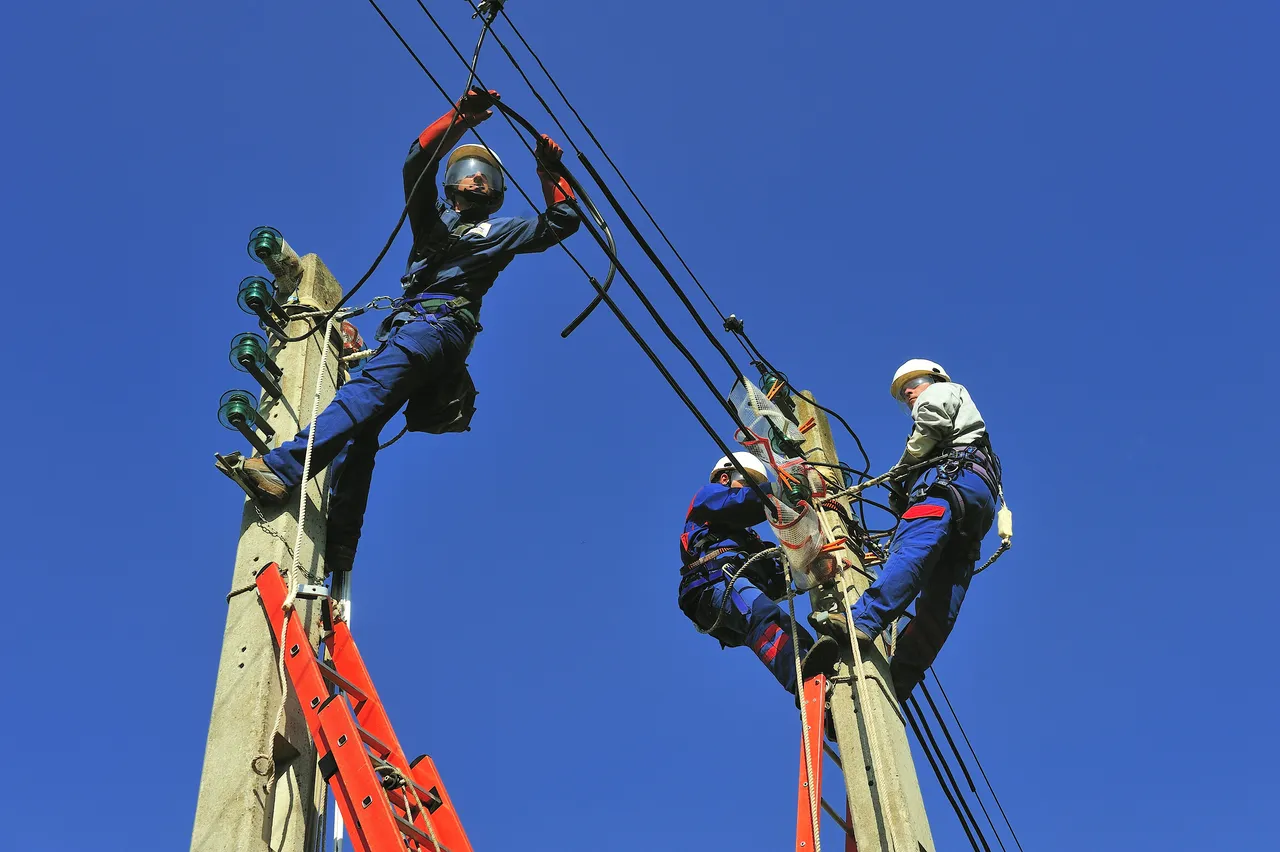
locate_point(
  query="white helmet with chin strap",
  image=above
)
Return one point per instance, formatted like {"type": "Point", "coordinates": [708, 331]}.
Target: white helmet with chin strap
{"type": "Point", "coordinates": [916, 368]}
{"type": "Point", "coordinates": [752, 465]}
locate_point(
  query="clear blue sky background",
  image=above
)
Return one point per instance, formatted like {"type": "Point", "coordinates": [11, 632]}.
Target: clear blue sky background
{"type": "Point", "coordinates": [1071, 206]}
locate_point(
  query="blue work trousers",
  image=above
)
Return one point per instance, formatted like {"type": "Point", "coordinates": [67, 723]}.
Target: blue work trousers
{"type": "Point", "coordinates": [932, 555]}
{"type": "Point", "coordinates": [416, 354]}
{"type": "Point", "coordinates": [752, 619]}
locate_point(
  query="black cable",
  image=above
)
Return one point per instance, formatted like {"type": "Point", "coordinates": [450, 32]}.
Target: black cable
{"type": "Point", "coordinates": [906, 711]}
{"type": "Point", "coordinates": [658, 264]}
{"type": "Point", "coordinates": [866, 460]}
{"type": "Point", "coordinates": [960, 760]}
{"type": "Point", "coordinates": [976, 759]}
{"type": "Point", "coordinates": [964, 803]}
{"type": "Point", "coordinates": [408, 200]}
{"type": "Point", "coordinates": [607, 158]}
{"type": "Point", "coordinates": [603, 294]}
{"type": "Point", "coordinates": [626, 220]}
{"type": "Point", "coordinates": [671, 336]}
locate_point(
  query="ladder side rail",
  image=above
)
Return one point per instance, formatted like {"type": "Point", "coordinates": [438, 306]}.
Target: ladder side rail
{"type": "Point", "coordinates": [366, 808]}
{"type": "Point", "coordinates": [814, 696]}
{"type": "Point", "coordinates": [372, 716]}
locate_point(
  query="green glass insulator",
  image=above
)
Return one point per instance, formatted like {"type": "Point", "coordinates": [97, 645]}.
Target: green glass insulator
{"type": "Point", "coordinates": [265, 242]}
{"type": "Point", "coordinates": [248, 348]}
{"type": "Point", "coordinates": [256, 294]}
{"type": "Point", "coordinates": [236, 406]}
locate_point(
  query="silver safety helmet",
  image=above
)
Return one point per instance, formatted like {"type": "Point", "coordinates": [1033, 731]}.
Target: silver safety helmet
{"type": "Point", "coordinates": [475, 172]}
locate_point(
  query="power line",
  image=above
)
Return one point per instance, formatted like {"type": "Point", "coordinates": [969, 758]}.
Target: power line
{"type": "Point", "coordinates": [976, 759]}
{"type": "Point", "coordinates": [600, 291]}
{"type": "Point", "coordinates": [408, 200]}
{"type": "Point", "coordinates": [964, 803]}
{"type": "Point", "coordinates": [960, 760]}
{"type": "Point", "coordinates": [607, 158]}
{"type": "Point", "coordinates": [906, 711]}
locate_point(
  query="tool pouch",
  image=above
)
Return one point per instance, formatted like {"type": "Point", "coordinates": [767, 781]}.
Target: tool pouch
{"type": "Point", "coordinates": [445, 406]}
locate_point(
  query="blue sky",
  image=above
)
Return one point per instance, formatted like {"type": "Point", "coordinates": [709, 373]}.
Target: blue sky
{"type": "Point", "coordinates": [1071, 206]}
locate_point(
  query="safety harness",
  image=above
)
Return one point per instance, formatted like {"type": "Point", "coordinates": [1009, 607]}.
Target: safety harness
{"type": "Point", "coordinates": [979, 458]}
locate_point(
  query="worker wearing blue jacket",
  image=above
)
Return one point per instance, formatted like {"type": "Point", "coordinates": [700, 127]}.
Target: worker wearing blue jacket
{"type": "Point", "coordinates": [716, 542]}
{"type": "Point", "coordinates": [459, 248]}
{"type": "Point", "coordinates": [945, 510]}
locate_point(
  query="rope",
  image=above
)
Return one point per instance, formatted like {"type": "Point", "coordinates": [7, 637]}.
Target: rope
{"type": "Point", "coordinates": [296, 563]}
{"type": "Point", "coordinates": [728, 589]}
{"type": "Point", "coordinates": [873, 746]}
{"type": "Point", "coordinates": [814, 795]}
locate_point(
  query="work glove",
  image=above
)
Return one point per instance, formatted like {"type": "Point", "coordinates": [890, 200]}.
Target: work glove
{"type": "Point", "coordinates": [548, 154]}
{"type": "Point", "coordinates": [555, 187]}
{"type": "Point", "coordinates": [474, 106]}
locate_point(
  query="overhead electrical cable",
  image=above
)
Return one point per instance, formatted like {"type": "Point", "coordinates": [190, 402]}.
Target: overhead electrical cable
{"type": "Point", "coordinates": [976, 759]}
{"type": "Point", "coordinates": [408, 200]}
{"type": "Point", "coordinates": [942, 725]}
{"type": "Point", "coordinates": [951, 778]}
{"type": "Point", "coordinates": [906, 711]}
{"type": "Point", "coordinates": [607, 158]}
{"type": "Point", "coordinates": [626, 276]}
{"type": "Point", "coordinates": [626, 220]}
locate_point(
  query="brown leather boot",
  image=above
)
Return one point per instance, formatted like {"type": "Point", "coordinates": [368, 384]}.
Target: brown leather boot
{"type": "Point", "coordinates": [268, 489]}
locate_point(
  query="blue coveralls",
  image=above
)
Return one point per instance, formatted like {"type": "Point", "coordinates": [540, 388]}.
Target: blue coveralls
{"type": "Point", "coordinates": [932, 554]}
{"type": "Point", "coordinates": [722, 517]}
{"type": "Point", "coordinates": [451, 257]}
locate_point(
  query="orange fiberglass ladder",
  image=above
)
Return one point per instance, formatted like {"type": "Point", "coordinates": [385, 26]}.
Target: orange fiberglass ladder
{"type": "Point", "coordinates": [814, 740]}
{"type": "Point", "coordinates": [389, 804]}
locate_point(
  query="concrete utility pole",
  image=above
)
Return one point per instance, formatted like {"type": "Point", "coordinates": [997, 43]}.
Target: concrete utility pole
{"type": "Point", "coordinates": [879, 774]}
{"type": "Point", "coordinates": [259, 789]}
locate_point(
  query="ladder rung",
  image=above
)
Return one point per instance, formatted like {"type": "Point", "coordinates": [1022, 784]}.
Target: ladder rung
{"type": "Point", "coordinates": [833, 754]}
{"type": "Point", "coordinates": [330, 674]}
{"type": "Point", "coordinates": [379, 747]}
{"type": "Point", "coordinates": [413, 832]}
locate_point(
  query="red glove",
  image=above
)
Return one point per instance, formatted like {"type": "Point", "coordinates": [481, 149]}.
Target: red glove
{"type": "Point", "coordinates": [548, 154]}
{"type": "Point", "coordinates": [475, 104]}
{"type": "Point", "coordinates": [472, 109]}
{"type": "Point", "coordinates": [555, 188]}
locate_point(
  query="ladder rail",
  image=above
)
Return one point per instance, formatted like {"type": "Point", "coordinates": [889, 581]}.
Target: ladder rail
{"type": "Point", "coordinates": [346, 726]}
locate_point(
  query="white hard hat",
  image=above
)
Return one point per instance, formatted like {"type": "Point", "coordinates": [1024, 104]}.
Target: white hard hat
{"type": "Point", "coordinates": [914, 369]}
{"type": "Point", "coordinates": [750, 464]}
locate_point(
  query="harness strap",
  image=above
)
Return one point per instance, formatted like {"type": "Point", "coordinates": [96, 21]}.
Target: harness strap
{"type": "Point", "coordinates": [705, 558]}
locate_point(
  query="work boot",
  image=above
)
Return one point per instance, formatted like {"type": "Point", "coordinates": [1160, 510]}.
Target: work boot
{"type": "Point", "coordinates": [339, 557]}
{"type": "Point", "coordinates": [821, 658]}
{"type": "Point", "coordinates": [268, 489]}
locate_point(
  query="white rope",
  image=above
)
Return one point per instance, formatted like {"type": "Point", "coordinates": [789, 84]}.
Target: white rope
{"type": "Point", "coordinates": [814, 794]}
{"type": "Point", "coordinates": [296, 563]}
{"type": "Point", "coordinates": [872, 743]}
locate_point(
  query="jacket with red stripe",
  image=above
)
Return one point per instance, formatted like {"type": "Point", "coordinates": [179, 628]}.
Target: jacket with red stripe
{"type": "Point", "coordinates": [720, 516]}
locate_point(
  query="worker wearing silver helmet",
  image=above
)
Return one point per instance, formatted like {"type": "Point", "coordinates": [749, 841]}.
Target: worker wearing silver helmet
{"type": "Point", "coordinates": [945, 509]}
{"type": "Point", "coordinates": [459, 249]}
{"type": "Point", "coordinates": [717, 542]}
